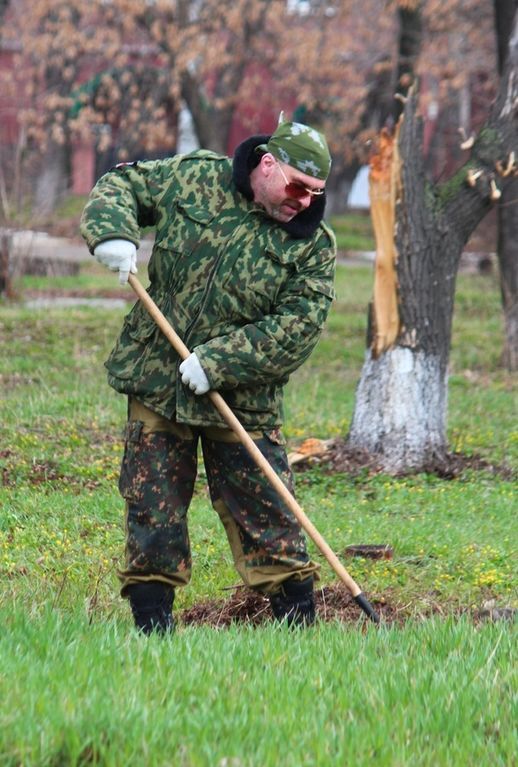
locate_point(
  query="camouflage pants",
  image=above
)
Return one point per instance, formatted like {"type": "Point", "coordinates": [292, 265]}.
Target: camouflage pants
{"type": "Point", "coordinates": [157, 481]}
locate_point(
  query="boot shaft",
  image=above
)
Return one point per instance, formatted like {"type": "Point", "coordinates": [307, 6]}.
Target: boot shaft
{"type": "Point", "coordinates": [294, 602]}
{"type": "Point", "coordinates": [152, 604]}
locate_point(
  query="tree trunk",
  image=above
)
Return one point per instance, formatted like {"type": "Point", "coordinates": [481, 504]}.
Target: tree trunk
{"type": "Point", "coordinates": [53, 179]}
{"type": "Point", "coordinates": [400, 409]}
{"type": "Point", "coordinates": [212, 125]}
{"type": "Point", "coordinates": [410, 36]}
{"type": "Point", "coordinates": [6, 246]}
{"type": "Point", "coordinates": [338, 186]}
{"type": "Point", "coordinates": [507, 248]}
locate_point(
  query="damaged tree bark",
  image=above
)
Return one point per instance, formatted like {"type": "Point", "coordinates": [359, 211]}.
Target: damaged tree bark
{"type": "Point", "coordinates": [383, 190]}
{"type": "Point", "coordinates": [401, 401]}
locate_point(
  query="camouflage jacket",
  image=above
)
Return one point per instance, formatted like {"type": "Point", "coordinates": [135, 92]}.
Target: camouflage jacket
{"type": "Point", "coordinates": [247, 294]}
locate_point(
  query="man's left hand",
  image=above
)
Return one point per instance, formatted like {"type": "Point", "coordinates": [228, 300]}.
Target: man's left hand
{"type": "Point", "coordinates": [193, 375]}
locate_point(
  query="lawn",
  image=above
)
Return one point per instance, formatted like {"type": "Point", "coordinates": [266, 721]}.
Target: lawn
{"type": "Point", "coordinates": [435, 685]}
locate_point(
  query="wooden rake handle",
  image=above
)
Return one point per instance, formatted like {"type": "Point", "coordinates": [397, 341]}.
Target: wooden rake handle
{"type": "Point", "coordinates": [255, 453]}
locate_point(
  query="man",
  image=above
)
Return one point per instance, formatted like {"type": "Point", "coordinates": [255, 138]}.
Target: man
{"type": "Point", "coordinates": [243, 268]}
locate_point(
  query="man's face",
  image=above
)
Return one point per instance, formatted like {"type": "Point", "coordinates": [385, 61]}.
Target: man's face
{"type": "Point", "coordinates": [286, 191]}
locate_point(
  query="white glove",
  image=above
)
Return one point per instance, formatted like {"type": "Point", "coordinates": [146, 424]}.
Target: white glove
{"type": "Point", "coordinates": [119, 256]}
{"type": "Point", "coordinates": [193, 375]}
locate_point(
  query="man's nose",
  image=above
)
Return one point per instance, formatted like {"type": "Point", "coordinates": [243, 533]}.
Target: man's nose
{"type": "Point", "coordinates": [306, 200]}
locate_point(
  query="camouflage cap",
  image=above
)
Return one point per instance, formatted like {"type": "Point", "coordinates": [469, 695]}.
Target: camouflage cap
{"type": "Point", "coordinates": [300, 146]}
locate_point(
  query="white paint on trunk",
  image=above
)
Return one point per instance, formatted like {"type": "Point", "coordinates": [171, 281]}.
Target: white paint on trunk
{"type": "Point", "coordinates": [400, 409]}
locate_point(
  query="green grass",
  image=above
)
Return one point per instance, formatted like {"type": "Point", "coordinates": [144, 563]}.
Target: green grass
{"type": "Point", "coordinates": [78, 687]}
{"type": "Point", "coordinates": [71, 207]}
{"type": "Point", "coordinates": [91, 279]}
{"type": "Point", "coordinates": [91, 693]}
{"type": "Point", "coordinates": [353, 232]}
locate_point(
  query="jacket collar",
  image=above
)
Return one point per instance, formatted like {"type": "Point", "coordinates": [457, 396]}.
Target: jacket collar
{"type": "Point", "coordinates": [305, 223]}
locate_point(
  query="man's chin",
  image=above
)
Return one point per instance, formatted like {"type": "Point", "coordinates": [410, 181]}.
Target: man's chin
{"type": "Point", "coordinates": [285, 213]}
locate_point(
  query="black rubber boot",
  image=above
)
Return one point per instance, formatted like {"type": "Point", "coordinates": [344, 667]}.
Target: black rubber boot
{"type": "Point", "coordinates": [294, 603]}
{"type": "Point", "coordinates": [152, 605]}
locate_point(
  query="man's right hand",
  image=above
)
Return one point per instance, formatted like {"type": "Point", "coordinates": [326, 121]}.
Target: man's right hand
{"type": "Point", "coordinates": [119, 256]}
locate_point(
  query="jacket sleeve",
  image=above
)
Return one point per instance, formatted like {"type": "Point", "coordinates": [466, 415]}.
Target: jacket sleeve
{"type": "Point", "coordinates": [124, 200]}
{"type": "Point", "coordinates": [272, 348]}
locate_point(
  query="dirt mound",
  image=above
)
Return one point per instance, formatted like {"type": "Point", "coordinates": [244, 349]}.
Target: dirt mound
{"type": "Point", "coordinates": [337, 457]}
{"type": "Point", "coordinates": [333, 603]}
{"type": "Point", "coordinates": [455, 464]}
{"type": "Point", "coordinates": [353, 461]}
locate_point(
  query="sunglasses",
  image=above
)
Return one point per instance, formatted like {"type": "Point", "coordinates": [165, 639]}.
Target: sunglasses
{"type": "Point", "coordinates": [296, 190]}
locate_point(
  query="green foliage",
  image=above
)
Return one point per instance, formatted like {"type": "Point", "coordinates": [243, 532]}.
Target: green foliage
{"type": "Point", "coordinates": [77, 685]}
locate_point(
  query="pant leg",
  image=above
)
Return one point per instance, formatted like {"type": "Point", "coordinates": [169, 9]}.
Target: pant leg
{"type": "Point", "coordinates": [157, 481]}
{"type": "Point", "coordinates": [267, 542]}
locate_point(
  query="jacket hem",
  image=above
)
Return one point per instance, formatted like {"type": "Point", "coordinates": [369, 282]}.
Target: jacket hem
{"type": "Point", "coordinates": [209, 419]}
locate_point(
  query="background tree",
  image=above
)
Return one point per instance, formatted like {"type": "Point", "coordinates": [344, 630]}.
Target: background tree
{"type": "Point", "coordinates": [216, 52]}
{"type": "Point", "coordinates": [410, 34]}
{"type": "Point", "coordinates": [246, 57]}
{"type": "Point", "coordinates": [129, 111]}
{"type": "Point", "coordinates": [421, 228]}
{"type": "Point", "coordinates": [343, 75]}
{"type": "Point", "coordinates": [51, 44]}
{"type": "Point", "coordinates": [83, 77]}
{"type": "Point", "coordinates": [335, 62]}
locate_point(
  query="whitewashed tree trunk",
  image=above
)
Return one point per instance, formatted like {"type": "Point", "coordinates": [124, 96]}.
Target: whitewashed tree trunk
{"type": "Point", "coordinates": [400, 411]}
{"type": "Point", "coordinates": [401, 403]}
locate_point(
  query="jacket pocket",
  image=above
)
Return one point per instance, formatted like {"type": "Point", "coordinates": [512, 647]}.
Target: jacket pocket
{"type": "Point", "coordinates": [177, 261]}
{"type": "Point", "coordinates": [139, 324]}
{"type": "Point", "coordinates": [254, 283]}
{"type": "Point", "coordinates": [128, 357]}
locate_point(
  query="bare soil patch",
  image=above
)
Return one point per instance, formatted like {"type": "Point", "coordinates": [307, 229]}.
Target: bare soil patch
{"type": "Point", "coordinates": [333, 603]}
{"type": "Point", "coordinates": [338, 457]}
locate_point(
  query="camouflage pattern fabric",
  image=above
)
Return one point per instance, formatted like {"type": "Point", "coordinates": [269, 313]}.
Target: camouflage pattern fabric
{"type": "Point", "coordinates": [241, 292]}
{"type": "Point", "coordinates": [302, 147]}
{"type": "Point", "coordinates": [157, 480]}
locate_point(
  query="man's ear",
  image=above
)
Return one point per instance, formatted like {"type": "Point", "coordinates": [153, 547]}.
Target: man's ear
{"type": "Point", "coordinates": [268, 163]}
